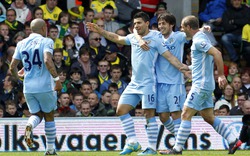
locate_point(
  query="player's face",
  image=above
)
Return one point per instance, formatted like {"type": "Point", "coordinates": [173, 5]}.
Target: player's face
{"type": "Point", "coordinates": [185, 29]}
{"type": "Point", "coordinates": [141, 26]}
{"type": "Point", "coordinates": [165, 28]}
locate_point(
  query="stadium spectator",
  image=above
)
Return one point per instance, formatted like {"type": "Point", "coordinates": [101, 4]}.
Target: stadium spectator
{"type": "Point", "coordinates": [74, 31]}
{"type": "Point", "coordinates": [226, 99]}
{"type": "Point", "coordinates": [85, 110]}
{"type": "Point", "coordinates": [2, 111]}
{"type": "Point", "coordinates": [113, 88]}
{"type": "Point", "coordinates": [97, 108]}
{"type": "Point", "coordinates": [75, 14]}
{"type": "Point", "coordinates": [95, 85]}
{"type": "Point", "coordinates": [98, 6]}
{"type": "Point", "coordinates": [23, 13]}
{"type": "Point", "coordinates": [245, 78]}
{"type": "Point", "coordinates": [125, 8]}
{"type": "Point", "coordinates": [42, 88]}
{"type": "Point", "coordinates": [58, 60]}
{"type": "Point", "coordinates": [63, 75]}
{"type": "Point", "coordinates": [76, 102]}
{"type": "Point", "coordinates": [51, 11]}
{"type": "Point", "coordinates": [75, 79]}
{"type": "Point", "coordinates": [100, 23]}
{"type": "Point", "coordinates": [223, 110]}
{"type": "Point", "coordinates": [37, 13]}
{"type": "Point", "coordinates": [9, 91]}
{"type": "Point", "coordinates": [109, 24]}
{"type": "Point", "coordinates": [4, 31]}
{"type": "Point", "coordinates": [212, 15]}
{"type": "Point", "coordinates": [13, 24]}
{"type": "Point", "coordinates": [26, 112]}
{"type": "Point", "coordinates": [233, 71]}
{"type": "Point", "coordinates": [86, 89]}
{"type": "Point", "coordinates": [27, 29]}
{"type": "Point", "coordinates": [3, 67]}
{"type": "Point", "coordinates": [85, 64]}
{"type": "Point", "coordinates": [246, 44]}
{"type": "Point", "coordinates": [160, 9]}
{"type": "Point", "coordinates": [125, 50]}
{"type": "Point", "coordinates": [11, 109]}
{"type": "Point", "coordinates": [105, 100]}
{"type": "Point", "coordinates": [237, 110]}
{"type": "Point", "coordinates": [116, 73]}
{"type": "Point", "coordinates": [53, 34]}
{"type": "Point", "coordinates": [139, 112]}
{"type": "Point", "coordinates": [233, 20]}
{"type": "Point", "coordinates": [237, 84]}
{"type": "Point", "coordinates": [89, 16]}
{"type": "Point", "coordinates": [114, 100]}
{"type": "Point", "coordinates": [63, 24]}
{"type": "Point", "coordinates": [31, 4]}
{"type": "Point", "coordinates": [103, 68]}
{"type": "Point", "coordinates": [113, 58]}
{"type": "Point", "coordinates": [97, 50]}
{"type": "Point", "coordinates": [64, 109]}
{"type": "Point", "coordinates": [70, 52]}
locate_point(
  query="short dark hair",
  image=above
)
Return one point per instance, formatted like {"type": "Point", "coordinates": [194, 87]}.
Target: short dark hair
{"type": "Point", "coordinates": [142, 15]}
{"type": "Point", "coordinates": [167, 17]}
{"type": "Point", "coordinates": [225, 107]}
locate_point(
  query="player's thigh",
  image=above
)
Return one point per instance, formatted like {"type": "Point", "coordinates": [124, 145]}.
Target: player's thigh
{"type": "Point", "coordinates": [129, 99]}
{"type": "Point", "coordinates": [32, 102]}
{"type": "Point", "coordinates": [199, 99]}
{"type": "Point", "coordinates": [47, 101]}
{"type": "Point", "coordinates": [162, 96]}
{"type": "Point", "coordinates": [176, 97]}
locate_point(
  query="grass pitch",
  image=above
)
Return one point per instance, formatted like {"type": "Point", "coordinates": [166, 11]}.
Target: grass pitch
{"type": "Point", "coordinates": [116, 153]}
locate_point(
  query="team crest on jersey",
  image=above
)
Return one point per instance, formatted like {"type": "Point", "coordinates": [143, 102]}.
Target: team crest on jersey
{"type": "Point", "coordinates": [55, 15]}
{"type": "Point", "coordinates": [203, 44]}
{"type": "Point", "coordinates": [171, 40]}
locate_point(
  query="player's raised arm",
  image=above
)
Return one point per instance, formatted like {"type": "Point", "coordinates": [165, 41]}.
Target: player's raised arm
{"type": "Point", "coordinates": [108, 35]}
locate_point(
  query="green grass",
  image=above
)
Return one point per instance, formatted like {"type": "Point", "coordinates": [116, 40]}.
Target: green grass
{"type": "Point", "coordinates": [83, 153]}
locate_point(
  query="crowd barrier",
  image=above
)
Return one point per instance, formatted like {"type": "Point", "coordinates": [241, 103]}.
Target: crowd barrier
{"type": "Point", "coordinates": [106, 134]}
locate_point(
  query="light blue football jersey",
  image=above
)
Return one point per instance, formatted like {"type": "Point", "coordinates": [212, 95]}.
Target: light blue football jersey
{"type": "Point", "coordinates": [30, 51]}
{"type": "Point", "coordinates": [202, 62]}
{"type": "Point", "coordinates": [143, 62]}
{"type": "Point", "coordinates": [165, 71]}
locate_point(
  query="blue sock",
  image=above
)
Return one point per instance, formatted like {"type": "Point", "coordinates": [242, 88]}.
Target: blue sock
{"type": "Point", "coordinates": [129, 128]}
{"type": "Point", "coordinates": [222, 129]}
{"type": "Point", "coordinates": [177, 123]}
{"type": "Point", "coordinates": [169, 125]}
{"type": "Point", "coordinates": [50, 132]}
{"type": "Point", "coordinates": [152, 132]}
{"type": "Point", "coordinates": [183, 133]}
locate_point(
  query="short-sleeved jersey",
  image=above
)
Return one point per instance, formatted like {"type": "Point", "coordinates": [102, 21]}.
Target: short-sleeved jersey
{"type": "Point", "coordinates": [246, 33]}
{"type": "Point", "coordinates": [98, 6]}
{"type": "Point", "coordinates": [202, 62]}
{"type": "Point", "coordinates": [143, 62]}
{"type": "Point", "coordinates": [50, 15]}
{"type": "Point", "coordinates": [30, 51]}
{"type": "Point", "coordinates": [165, 71]}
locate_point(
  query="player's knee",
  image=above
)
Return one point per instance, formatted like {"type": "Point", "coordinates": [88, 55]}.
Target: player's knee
{"type": "Point", "coordinates": [149, 113]}
{"type": "Point", "coordinates": [40, 115]}
{"type": "Point", "coordinates": [49, 116]}
{"type": "Point", "coordinates": [163, 117]}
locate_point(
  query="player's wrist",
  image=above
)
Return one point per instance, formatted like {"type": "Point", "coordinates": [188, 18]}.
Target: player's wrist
{"type": "Point", "coordinates": [56, 78]}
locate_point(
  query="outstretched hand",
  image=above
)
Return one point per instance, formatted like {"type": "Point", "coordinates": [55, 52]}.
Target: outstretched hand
{"type": "Point", "coordinates": [222, 81]}
{"type": "Point", "coordinates": [92, 27]}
